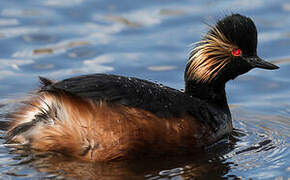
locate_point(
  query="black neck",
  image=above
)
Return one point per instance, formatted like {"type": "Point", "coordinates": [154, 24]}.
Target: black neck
{"type": "Point", "coordinates": [212, 93]}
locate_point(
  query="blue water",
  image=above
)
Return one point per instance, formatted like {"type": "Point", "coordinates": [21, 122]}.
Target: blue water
{"type": "Point", "coordinates": [150, 40]}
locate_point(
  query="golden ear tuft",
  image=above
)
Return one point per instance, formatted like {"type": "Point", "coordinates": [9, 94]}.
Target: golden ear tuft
{"type": "Point", "coordinates": [210, 56]}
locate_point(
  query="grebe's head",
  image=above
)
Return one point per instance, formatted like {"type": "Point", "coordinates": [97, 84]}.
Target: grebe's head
{"type": "Point", "coordinates": [226, 51]}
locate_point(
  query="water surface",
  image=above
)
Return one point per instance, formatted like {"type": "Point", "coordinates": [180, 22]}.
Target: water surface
{"type": "Point", "coordinates": [150, 40]}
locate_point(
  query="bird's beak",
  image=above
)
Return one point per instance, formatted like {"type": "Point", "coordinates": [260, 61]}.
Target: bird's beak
{"type": "Point", "coordinates": [257, 62]}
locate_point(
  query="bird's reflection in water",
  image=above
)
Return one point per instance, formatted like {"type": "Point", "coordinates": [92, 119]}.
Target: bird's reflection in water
{"type": "Point", "coordinates": [206, 165]}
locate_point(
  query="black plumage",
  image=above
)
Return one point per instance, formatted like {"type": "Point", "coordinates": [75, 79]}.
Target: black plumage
{"type": "Point", "coordinates": [129, 91]}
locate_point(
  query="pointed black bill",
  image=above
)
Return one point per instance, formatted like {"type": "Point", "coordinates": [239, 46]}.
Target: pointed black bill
{"type": "Point", "coordinates": [257, 62]}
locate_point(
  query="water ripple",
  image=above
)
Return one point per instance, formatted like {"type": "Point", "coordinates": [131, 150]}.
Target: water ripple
{"type": "Point", "coordinates": [147, 39]}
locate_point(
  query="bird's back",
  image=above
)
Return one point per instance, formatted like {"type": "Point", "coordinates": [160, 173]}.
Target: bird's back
{"type": "Point", "coordinates": [160, 100]}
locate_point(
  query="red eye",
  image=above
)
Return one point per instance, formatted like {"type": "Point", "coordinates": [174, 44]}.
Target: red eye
{"type": "Point", "coordinates": [236, 52]}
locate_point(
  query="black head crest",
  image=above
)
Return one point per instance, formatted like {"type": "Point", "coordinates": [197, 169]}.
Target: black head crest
{"type": "Point", "coordinates": [218, 47]}
{"type": "Point", "coordinates": [241, 31]}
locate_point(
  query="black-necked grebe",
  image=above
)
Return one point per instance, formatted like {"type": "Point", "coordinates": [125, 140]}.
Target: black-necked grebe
{"type": "Point", "coordinates": [102, 117]}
